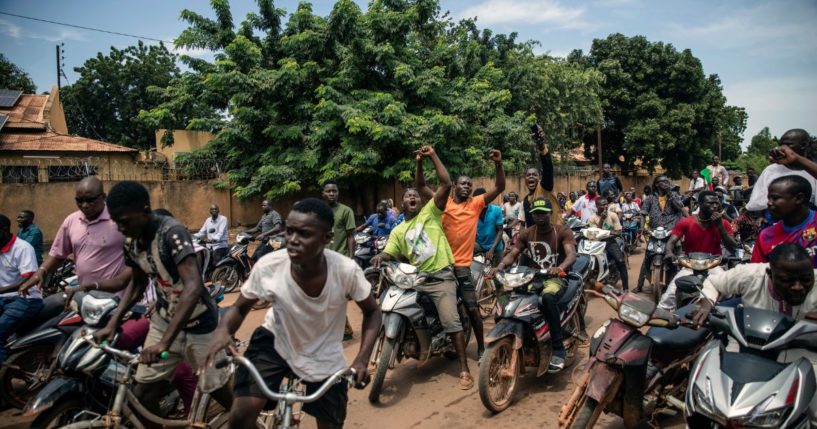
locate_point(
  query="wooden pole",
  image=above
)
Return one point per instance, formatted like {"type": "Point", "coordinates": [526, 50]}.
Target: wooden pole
{"type": "Point", "coordinates": [598, 142]}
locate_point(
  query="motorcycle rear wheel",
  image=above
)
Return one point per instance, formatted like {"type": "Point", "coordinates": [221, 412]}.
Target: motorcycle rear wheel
{"type": "Point", "coordinates": [497, 380]}
{"type": "Point", "coordinates": [59, 415]}
{"type": "Point", "coordinates": [228, 276]}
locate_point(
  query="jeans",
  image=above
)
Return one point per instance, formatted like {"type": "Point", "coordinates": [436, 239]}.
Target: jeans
{"type": "Point", "coordinates": [14, 311]}
{"type": "Point", "coordinates": [554, 290]}
{"type": "Point", "coordinates": [615, 254]}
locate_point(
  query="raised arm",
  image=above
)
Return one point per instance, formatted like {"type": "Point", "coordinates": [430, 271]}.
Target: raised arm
{"type": "Point", "coordinates": [784, 155]}
{"type": "Point", "coordinates": [499, 181]}
{"type": "Point", "coordinates": [444, 190]}
{"type": "Point", "coordinates": [545, 159]}
{"type": "Point", "coordinates": [419, 178]}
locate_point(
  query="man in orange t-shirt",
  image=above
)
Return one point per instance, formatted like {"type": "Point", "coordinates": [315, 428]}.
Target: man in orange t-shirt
{"type": "Point", "coordinates": [460, 220]}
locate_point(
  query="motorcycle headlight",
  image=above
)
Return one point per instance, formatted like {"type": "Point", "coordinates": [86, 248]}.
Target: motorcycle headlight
{"type": "Point", "coordinates": [399, 278]}
{"type": "Point", "coordinates": [705, 405]}
{"type": "Point", "coordinates": [660, 234]}
{"type": "Point", "coordinates": [632, 315]}
{"type": "Point", "coordinates": [94, 309]}
{"type": "Point", "coordinates": [759, 417]}
{"type": "Point", "coordinates": [514, 280]}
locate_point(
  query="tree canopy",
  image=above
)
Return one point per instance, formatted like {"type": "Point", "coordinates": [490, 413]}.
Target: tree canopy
{"type": "Point", "coordinates": [659, 106]}
{"type": "Point", "coordinates": [352, 95]}
{"type": "Point", "coordinates": [105, 101]}
{"type": "Point", "coordinates": [12, 77]}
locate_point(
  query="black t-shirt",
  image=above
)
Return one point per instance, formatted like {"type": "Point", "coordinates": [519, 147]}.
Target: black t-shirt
{"type": "Point", "coordinates": [171, 244]}
{"type": "Point", "coordinates": [540, 249]}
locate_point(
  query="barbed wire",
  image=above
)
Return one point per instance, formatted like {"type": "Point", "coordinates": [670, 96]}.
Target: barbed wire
{"type": "Point", "coordinates": [66, 169]}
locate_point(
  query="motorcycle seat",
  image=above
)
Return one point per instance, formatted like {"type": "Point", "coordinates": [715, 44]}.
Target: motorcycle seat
{"type": "Point", "coordinates": [52, 307]}
{"type": "Point", "coordinates": [679, 338]}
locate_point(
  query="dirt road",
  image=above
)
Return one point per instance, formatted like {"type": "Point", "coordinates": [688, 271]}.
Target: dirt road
{"type": "Point", "coordinates": [428, 397]}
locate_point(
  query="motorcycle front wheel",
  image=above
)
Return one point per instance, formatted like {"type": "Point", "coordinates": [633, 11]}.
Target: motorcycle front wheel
{"type": "Point", "coordinates": [382, 367]}
{"type": "Point", "coordinates": [22, 375]}
{"type": "Point", "coordinates": [498, 376]}
{"type": "Point", "coordinates": [228, 276]}
{"type": "Point", "coordinates": [60, 415]}
{"type": "Point", "coordinates": [486, 297]}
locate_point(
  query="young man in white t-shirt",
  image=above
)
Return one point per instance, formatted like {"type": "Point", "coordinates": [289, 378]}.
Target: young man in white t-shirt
{"type": "Point", "coordinates": [309, 287]}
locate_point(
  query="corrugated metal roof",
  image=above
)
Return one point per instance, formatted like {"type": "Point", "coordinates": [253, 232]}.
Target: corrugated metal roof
{"type": "Point", "coordinates": [51, 142]}
{"type": "Point", "coordinates": [27, 113]}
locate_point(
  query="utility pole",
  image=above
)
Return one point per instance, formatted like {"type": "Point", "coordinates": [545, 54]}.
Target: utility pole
{"type": "Point", "coordinates": [720, 147]}
{"type": "Point", "coordinates": [59, 70]}
{"type": "Point", "coordinates": [598, 142]}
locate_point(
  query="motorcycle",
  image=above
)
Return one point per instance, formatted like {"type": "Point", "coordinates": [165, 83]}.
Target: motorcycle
{"type": "Point", "coordinates": [32, 350]}
{"type": "Point", "coordinates": [520, 341]}
{"type": "Point", "coordinates": [86, 376]}
{"type": "Point", "coordinates": [593, 243]}
{"type": "Point", "coordinates": [411, 325]}
{"type": "Point", "coordinates": [57, 281]}
{"type": "Point", "coordinates": [233, 269]}
{"type": "Point", "coordinates": [366, 247]}
{"type": "Point", "coordinates": [700, 263]}
{"type": "Point", "coordinates": [659, 268]}
{"type": "Point", "coordinates": [632, 374]}
{"type": "Point", "coordinates": [630, 232]}
{"type": "Point", "coordinates": [485, 288]}
{"type": "Point", "coordinates": [750, 388]}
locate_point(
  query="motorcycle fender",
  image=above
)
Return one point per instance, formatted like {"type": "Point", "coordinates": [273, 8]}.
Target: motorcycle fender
{"type": "Point", "coordinates": [507, 328]}
{"type": "Point", "coordinates": [658, 260]}
{"type": "Point", "coordinates": [50, 336]}
{"type": "Point", "coordinates": [635, 352]}
{"type": "Point", "coordinates": [615, 337]}
{"type": "Point", "coordinates": [392, 324]}
{"type": "Point", "coordinates": [602, 378]}
{"type": "Point", "coordinates": [58, 389]}
{"type": "Point", "coordinates": [226, 261]}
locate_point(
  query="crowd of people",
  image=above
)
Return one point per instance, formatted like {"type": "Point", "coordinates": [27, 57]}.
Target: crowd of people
{"type": "Point", "coordinates": [120, 245]}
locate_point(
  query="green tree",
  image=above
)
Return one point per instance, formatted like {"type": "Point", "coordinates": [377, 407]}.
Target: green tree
{"type": "Point", "coordinates": [658, 105]}
{"type": "Point", "coordinates": [105, 101]}
{"type": "Point", "coordinates": [352, 95]}
{"type": "Point", "coordinates": [12, 77]}
{"type": "Point", "coordinates": [762, 142]}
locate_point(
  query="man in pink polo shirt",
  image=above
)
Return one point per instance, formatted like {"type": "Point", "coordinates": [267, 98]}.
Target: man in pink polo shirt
{"type": "Point", "coordinates": [17, 262]}
{"type": "Point", "coordinates": [92, 237]}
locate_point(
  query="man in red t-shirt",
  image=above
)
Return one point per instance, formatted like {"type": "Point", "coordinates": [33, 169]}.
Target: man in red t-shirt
{"type": "Point", "coordinates": [705, 232]}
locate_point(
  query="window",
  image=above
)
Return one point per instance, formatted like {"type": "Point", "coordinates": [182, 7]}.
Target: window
{"type": "Point", "coordinates": [20, 174]}
{"type": "Point", "coordinates": [70, 173]}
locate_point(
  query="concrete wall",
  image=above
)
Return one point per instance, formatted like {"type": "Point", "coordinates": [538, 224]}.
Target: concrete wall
{"type": "Point", "coordinates": [189, 200]}
{"type": "Point", "coordinates": [184, 141]}
{"type": "Point", "coordinates": [53, 112]}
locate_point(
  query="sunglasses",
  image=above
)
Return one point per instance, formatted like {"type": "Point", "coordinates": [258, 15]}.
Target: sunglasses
{"type": "Point", "coordinates": [87, 200]}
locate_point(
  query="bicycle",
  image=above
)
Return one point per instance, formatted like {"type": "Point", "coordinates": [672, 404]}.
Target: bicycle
{"type": "Point", "coordinates": [126, 406]}
{"type": "Point", "coordinates": [284, 417]}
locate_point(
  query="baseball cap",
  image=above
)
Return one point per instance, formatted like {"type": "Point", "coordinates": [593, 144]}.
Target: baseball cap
{"type": "Point", "coordinates": [541, 205]}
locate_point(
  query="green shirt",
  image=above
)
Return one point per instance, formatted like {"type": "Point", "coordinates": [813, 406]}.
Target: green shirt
{"type": "Point", "coordinates": [344, 221]}
{"type": "Point", "coordinates": [422, 241]}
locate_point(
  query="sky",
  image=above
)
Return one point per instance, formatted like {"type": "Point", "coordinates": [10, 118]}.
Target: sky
{"type": "Point", "coordinates": [765, 52]}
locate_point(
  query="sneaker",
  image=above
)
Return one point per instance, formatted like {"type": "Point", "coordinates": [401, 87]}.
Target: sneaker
{"type": "Point", "coordinates": [557, 360]}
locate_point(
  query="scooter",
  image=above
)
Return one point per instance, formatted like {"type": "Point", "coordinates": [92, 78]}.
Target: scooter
{"type": "Point", "coordinates": [700, 263]}
{"type": "Point", "coordinates": [520, 341]}
{"type": "Point", "coordinates": [593, 243]}
{"type": "Point", "coordinates": [411, 325]}
{"type": "Point", "coordinates": [750, 388]}
{"type": "Point", "coordinates": [33, 349]}
{"type": "Point", "coordinates": [630, 232]}
{"type": "Point", "coordinates": [632, 374]}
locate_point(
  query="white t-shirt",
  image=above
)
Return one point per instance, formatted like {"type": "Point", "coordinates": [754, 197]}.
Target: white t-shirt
{"type": "Point", "coordinates": [696, 184]}
{"type": "Point", "coordinates": [308, 331]}
{"type": "Point", "coordinates": [17, 260]}
{"type": "Point", "coordinates": [513, 211]}
{"type": "Point", "coordinates": [760, 192]}
{"type": "Point", "coordinates": [586, 207]}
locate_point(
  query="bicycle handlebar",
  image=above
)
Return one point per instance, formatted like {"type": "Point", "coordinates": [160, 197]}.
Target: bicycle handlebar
{"type": "Point", "coordinates": [289, 397]}
{"type": "Point", "coordinates": [122, 354]}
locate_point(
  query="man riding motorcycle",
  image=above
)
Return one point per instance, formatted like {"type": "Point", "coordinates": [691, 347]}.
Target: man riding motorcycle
{"type": "Point", "coordinates": [664, 208]}
{"type": "Point", "coordinates": [269, 225]}
{"type": "Point", "coordinates": [705, 232]}
{"type": "Point", "coordinates": [606, 219]}
{"type": "Point", "coordinates": [550, 247]}
{"type": "Point", "coordinates": [381, 222]}
{"type": "Point", "coordinates": [785, 284]}
{"type": "Point", "coordinates": [420, 241]}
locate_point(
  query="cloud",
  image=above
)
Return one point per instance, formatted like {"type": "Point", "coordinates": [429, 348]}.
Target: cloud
{"type": "Point", "coordinates": [193, 52]}
{"type": "Point", "coordinates": [527, 12]}
{"type": "Point", "coordinates": [9, 29]}
{"type": "Point", "coordinates": [62, 36]}
{"type": "Point", "coordinates": [779, 103]}
{"type": "Point", "coordinates": [775, 28]}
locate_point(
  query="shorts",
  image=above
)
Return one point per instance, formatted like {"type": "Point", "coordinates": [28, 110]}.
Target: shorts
{"type": "Point", "coordinates": [189, 347]}
{"type": "Point", "coordinates": [441, 287]}
{"type": "Point", "coordinates": [331, 407]}
{"type": "Point", "coordinates": [466, 288]}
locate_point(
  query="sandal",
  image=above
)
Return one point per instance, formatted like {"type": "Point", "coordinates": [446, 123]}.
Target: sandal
{"type": "Point", "coordinates": [466, 381]}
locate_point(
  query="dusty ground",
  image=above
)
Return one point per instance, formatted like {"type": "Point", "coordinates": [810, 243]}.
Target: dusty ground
{"type": "Point", "coordinates": [428, 397]}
